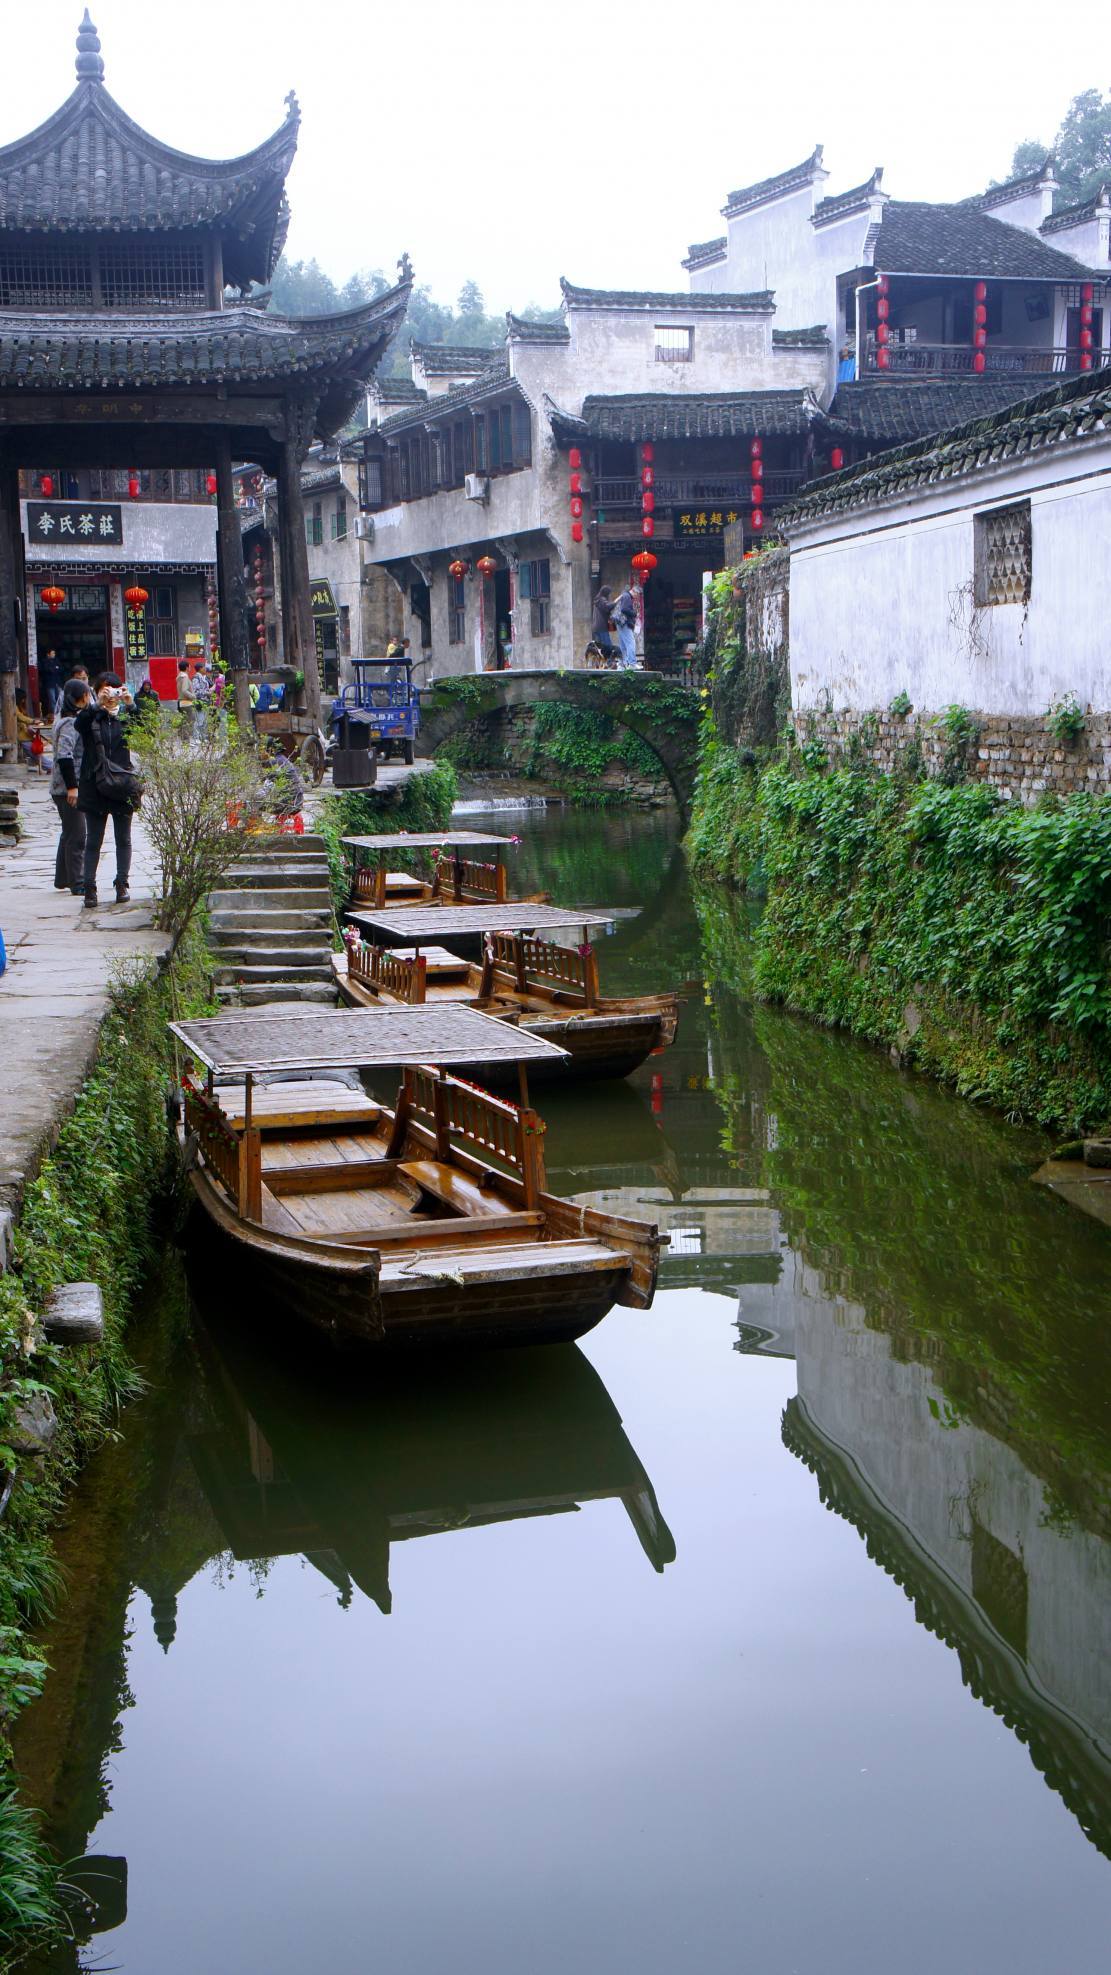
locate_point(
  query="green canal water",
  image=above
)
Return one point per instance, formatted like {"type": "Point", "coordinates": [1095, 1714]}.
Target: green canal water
{"type": "Point", "coordinates": [764, 1633]}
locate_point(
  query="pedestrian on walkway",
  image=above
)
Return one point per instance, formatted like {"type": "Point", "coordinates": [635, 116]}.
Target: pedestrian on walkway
{"type": "Point", "coordinates": [69, 864]}
{"type": "Point", "coordinates": [625, 618]}
{"type": "Point", "coordinates": [600, 623]}
{"type": "Point", "coordinates": [28, 732]}
{"type": "Point", "coordinates": [185, 703]}
{"type": "Point", "coordinates": [50, 684]}
{"type": "Point", "coordinates": [106, 761]}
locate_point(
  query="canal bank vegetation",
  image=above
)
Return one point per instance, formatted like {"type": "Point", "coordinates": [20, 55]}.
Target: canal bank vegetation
{"type": "Point", "coordinates": [91, 1214]}
{"type": "Point", "coordinates": [582, 754]}
{"type": "Point", "coordinates": [967, 934]}
{"type": "Point", "coordinates": [422, 803]}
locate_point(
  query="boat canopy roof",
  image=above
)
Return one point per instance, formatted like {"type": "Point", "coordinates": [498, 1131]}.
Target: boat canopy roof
{"type": "Point", "coordinates": [415, 923]}
{"type": "Point", "coordinates": [356, 1039]}
{"type": "Point", "coordinates": [422, 840]}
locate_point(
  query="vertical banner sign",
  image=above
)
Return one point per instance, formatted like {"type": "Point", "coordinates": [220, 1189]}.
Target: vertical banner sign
{"type": "Point", "coordinates": [136, 633]}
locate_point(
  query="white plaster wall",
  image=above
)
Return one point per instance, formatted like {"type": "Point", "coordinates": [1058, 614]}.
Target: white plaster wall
{"type": "Point", "coordinates": [1087, 241]}
{"type": "Point", "coordinates": [153, 531]}
{"type": "Point", "coordinates": [881, 602]}
{"type": "Point", "coordinates": [614, 351]}
{"type": "Point", "coordinates": [1028, 212]}
{"type": "Point", "coordinates": [776, 246]}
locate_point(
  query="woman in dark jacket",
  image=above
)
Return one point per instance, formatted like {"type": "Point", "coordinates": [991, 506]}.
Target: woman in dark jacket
{"type": "Point", "coordinates": [103, 739]}
{"type": "Point", "coordinates": [600, 622]}
{"type": "Point", "coordinates": [69, 865]}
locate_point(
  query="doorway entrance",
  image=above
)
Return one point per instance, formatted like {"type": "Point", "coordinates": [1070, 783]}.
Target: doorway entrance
{"type": "Point", "coordinates": [77, 632]}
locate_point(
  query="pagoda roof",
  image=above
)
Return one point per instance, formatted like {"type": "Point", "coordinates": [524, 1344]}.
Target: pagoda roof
{"type": "Point", "coordinates": [241, 346]}
{"type": "Point", "coordinates": [89, 168]}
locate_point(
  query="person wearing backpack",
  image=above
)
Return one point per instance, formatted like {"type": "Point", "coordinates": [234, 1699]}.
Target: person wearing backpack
{"type": "Point", "coordinates": [625, 619]}
{"type": "Point", "coordinates": [108, 785]}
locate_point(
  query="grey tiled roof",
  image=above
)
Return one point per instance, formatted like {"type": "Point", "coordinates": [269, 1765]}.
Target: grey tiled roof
{"type": "Point", "coordinates": [762, 302]}
{"type": "Point", "coordinates": [814, 338]}
{"type": "Point", "coordinates": [702, 252]}
{"type": "Point", "coordinates": [446, 360]}
{"type": "Point", "coordinates": [773, 188]}
{"type": "Point", "coordinates": [843, 203]}
{"type": "Point", "coordinates": [334, 354]}
{"type": "Point", "coordinates": [89, 167]}
{"type": "Point", "coordinates": [522, 330]}
{"type": "Point", "coordinates": [892, 411]}
{"type": "Point", "coordinates": [494, 379]}
{"type": "Point", "coordinates": [679, 415]}
{"type": "Point", "coordinates": [1013, 188]}
{"type": "Point", "coordinates": [918, 237]}
{"type": "Point", "coordinates": [1067, 216]}
{"type": "Point", "coordinates": [398, 391]}
{"type": "Point", "coordinates": [1075, 411]}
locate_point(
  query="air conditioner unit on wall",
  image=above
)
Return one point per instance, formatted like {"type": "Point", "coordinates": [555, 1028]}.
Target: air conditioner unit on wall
{"type": "Point", "coordinates": [476, 487]}
{"type": "Point", "coordinates": [364, 527]}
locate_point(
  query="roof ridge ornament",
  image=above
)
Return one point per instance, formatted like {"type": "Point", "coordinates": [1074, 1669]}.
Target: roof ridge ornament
{"type": "Point", "coordinates": [90, 63]}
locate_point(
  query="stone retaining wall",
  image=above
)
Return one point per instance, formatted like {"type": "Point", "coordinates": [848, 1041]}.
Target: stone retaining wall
{"type": "Point", "coordinates": [1019, 755]}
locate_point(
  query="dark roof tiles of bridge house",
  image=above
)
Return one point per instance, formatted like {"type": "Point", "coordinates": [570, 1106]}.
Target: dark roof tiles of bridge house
{"type": "Point", "coordinates": [918, 237]}
{"type": "Point", "coordinates": [1078, 409]}
{"type": "Point", "coordinates": [891, 411]}
{"type": "Point", "coordinates": [760, 302]}
{"type": "Point", "coordinates": [720, 415]}
{"type": "Point", "coordinates": [90, 167]}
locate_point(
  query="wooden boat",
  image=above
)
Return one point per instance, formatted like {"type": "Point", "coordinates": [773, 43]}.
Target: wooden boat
{"type": "Point", "coordinates": [455, 878]}
{"type": "Point", "coordinates": [539, 986]}
{"type": "Point", "coordinates": [427, 1223]}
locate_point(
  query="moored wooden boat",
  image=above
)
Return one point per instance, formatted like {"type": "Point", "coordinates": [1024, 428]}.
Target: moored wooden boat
{"type": "Point", "coordinates": [427, 1223]}
{"type": "Point", "coordinates": [454, 878]}
{"type": "Point", "coordinates": [539, 986]}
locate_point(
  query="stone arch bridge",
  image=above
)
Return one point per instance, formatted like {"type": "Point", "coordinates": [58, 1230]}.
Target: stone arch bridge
{"type": "Point", "coordinates": [664, 715]}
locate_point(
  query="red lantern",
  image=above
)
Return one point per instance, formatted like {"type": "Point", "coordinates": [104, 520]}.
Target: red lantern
{"type": "Point", "coordinates": [1085, 339]}
{"type": "Point", "coordinates": [648, 452]}
{"type": "Point", "coordinates": [756, 450]}
{"type": "Point", "coordinates": [882, 333]}
{"type": "Point", "coordinates": [1086, 292]}
{"type": "Point", "coordinates": [883, 308]}
{"type": "Point", "coordinates": [647, 476]}
{"type": "Point", "coordinates": [647, 527]}
{"type": "Point", "coordinates": [837, 459]}
{"type": "Point", "coordinates": [1085, 318]}
{"type": "Point", "coordinates": [883, 359]}
{"type": "Point", "coordinates": [576, 507]}
{"type": "Point", "coordinates": [647, 501]}
{"type": "Point", "coordinates": [53, 596]}
{"type": "Point", "coordinates": [758, 469]}
{"type": "Point", "coordinates": [47, 485]}
{"type": "Point", "coordinates": [980, 292]}
{"type": "Point", "coordinates": [486, 565]}
{"type": "Point", "coordinates": [980, 315]}
{"type": "Point", "coordinates": [574, 458]}
{"type": "Point", "coordinates": [758, 517]}
{"type": "Point", "coordinates": [576, 483]}
{"type": "Point", "coordinates": [133, 487]}
{"type": "Point", "coordinates": [210, 483]}
{"type": "Point", "coordinates": [458, 569]}
{"type": "Point", "coordinates": [979, 339]}
{"type": "Point", "coordinates": [882, 286]}
{"type": "Point", "coordinates": [576, 531]}
{"type": "Point", "coordinates": [979, 363]}
{"type": "Point", "coordinates": [644, 562]}
{"type": "Point", "coordinates": [136, 597]}
{"type": "Point", "coordinates": [1085, 360]}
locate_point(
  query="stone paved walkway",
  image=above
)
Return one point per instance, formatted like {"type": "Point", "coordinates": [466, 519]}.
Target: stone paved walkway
{"type": "Point", "coordinates": [54, 992]}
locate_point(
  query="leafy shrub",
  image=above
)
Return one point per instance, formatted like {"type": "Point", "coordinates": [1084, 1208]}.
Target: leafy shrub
{"type": "Point", "coordinates": [1065, 720]}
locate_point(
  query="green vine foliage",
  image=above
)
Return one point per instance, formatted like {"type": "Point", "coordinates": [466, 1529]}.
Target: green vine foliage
{"type": "Point", "coordinates": [423, 802]}
{"type": "Point", "coordinates": [583, 744]}
{"type": "Point", "coordinates": [966, 932]}
{"type": "Point", "coordinates": [88, 1216]}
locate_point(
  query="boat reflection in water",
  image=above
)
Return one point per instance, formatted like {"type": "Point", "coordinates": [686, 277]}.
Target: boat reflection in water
{"type": "Point", "coordinates": [310, 1461]}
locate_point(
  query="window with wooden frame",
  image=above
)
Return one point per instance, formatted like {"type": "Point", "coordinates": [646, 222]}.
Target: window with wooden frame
{"type": "Point", "coordinates": [522, 435]}
{"type": "Point", "coordinates": [401, 457]}
{"type": "Point", "coordinates": [464, 450]}
{"type": "Point", "coordinates": [456, 610]}
{"type": "Point", "coordinates": [314, 525]}
{"type": "Point", "coordinates": [501, 439]}
{"type": "Point", "coordinates": [674, 345]}
{"type": "Point", "coordinates": [161, 616]}
{"type": "Point", "coordinates": [370, 483]}
{"type": "Point", "coordinates": [339, 519]}
{"type": "Point", "coordinates": [1002, 558]}
{"type": "Point", "coordinates": [535, 583]}
{"type": "Point", "coordinates": [481, 455]}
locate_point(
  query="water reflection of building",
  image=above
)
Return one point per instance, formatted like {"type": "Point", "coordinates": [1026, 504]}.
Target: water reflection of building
{"type": "Point", "coordinates": [974, 1537]}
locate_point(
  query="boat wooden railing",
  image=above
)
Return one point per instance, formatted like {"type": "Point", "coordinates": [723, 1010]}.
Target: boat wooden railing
{"type": "Point", "coordinates": [542, 962]}
{"type": "Point", "coordinates": [487, 1125]}
{"type": "Point", "coordinates": [369, 880]}
{"type": "Point", "coordinates": [464, 878]}
{"type": "Point", "coordinates": [232, 1157]}
{"type": "Point", "coordinates": [378, 971]}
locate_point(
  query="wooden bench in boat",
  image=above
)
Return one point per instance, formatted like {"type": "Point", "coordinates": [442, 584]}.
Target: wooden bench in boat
{"type": "Point", "coordinates": [455, 1189]}
{"type": "Point", "coordinates": [476, 1263]}
{"type": "Point", "coordinates": [282, 1106]}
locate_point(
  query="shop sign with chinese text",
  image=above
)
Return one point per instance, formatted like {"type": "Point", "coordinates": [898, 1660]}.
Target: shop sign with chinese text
{"type": "Point", "coordinates": [698, 521]}
{"type": "Point", "coordinates": [73, 522]}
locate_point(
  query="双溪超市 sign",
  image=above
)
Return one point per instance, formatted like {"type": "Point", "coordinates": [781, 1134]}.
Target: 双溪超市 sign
{"type": "Point", "coordinates": [703, 520]}
{"type": "Point", "coordinates": [323, 600]}
{"type": "Point", "coordinates": [90, 522]}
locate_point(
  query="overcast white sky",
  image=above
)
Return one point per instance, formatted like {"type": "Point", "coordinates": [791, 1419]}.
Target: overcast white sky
{"type": "Point", "coordinates": [592, 138]}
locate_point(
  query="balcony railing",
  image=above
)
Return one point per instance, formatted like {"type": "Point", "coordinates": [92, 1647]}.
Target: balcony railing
{"type": "Point", "coordinates": [958, 360]}
{"type": "Point", "coordinates": [697, 490]}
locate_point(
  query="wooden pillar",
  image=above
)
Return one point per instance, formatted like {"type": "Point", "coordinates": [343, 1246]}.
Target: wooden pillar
{"type": "Point", "coordinates": [297, 619]}
{"type": "Point", "coordinates": [11, 600]}
{"type": "Point", "coordinates": [234, 639]}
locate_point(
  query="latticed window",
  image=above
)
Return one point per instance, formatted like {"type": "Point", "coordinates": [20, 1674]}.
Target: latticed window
{"type": "Point", "coordinates": [45, 277]}
{"type": "Point", "coordinates": [457, 610]}
{"type": "Point", "coordinates": [536, 587]}
{"type": "Point", "coordinates": [150, 277]}
{"type": "Point", "coordinates": [1002, 555]}
{"type": "Point", "coordinates": [674, 345]}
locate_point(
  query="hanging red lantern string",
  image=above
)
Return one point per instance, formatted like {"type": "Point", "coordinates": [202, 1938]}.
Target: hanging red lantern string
{"type": "Point", "coordinates": [758, 518]}
{"type": "Point", "coordinates": [576, 507]}
{"type": "Point", "coordinates": [576, 531]}
{"type": "Point", "coordinates": [647, 476]}
{"type": "Point", "coordinates": [883, 287]}
{"type": "Point", "coordinates": [758, 469]}
{"type": "Point", "coordinates": [647, 501]}
{"type": "Point", "coordinates": [574, 459]}
{"type": "Point", "coordinates": [648, 527]}
{"type": "Point", "coordinates": [883, 358]}
{"type": "Point", "coordinates": [980, 292]}
{"type": "Point", "coordinates": [648, 453]}
{"type": "Point", "coordinates": [979, 327]}
{"type": "Point", "coordinates": [576, 483]}
{"type": "Point", "coordinates": [883, 309]}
